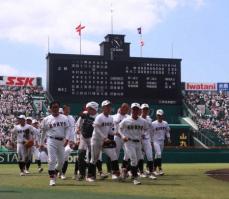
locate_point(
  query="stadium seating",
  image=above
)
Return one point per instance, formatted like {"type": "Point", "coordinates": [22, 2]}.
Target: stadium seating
{"type": "Point", "coordinates": [210, 114]}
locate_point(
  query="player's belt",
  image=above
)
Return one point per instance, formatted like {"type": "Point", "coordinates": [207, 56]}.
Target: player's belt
{"type": "Point", "coordinates": [56, 138]}
{"type": "Point", "coordinates": [133, 140]}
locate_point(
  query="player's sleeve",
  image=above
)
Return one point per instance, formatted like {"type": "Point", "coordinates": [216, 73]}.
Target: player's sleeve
{"type": "Point", "coordinates": [111, 132]}
{"type": "Point", "coordinates": [43, 131]}
{"type": "Point", "coordinates": [68, 131]}
{"type": "Point", "coordinates": [152, 131]}
{"type": "Point", "coordinates": [121, 128]}
{"type": "Point", "coordinates": [97, 124]}
{"type": "Point", "coordinates": [167, 133]}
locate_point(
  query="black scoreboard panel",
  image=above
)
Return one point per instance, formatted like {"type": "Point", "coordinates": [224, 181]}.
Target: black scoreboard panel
{"type": "Point", "coordinates": [81, 78]}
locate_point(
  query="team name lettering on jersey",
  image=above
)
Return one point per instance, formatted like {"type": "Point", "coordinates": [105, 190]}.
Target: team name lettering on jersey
{"type": "Point", "coordinates": [57, 124]}
{"type": "Point", "coordinates": [160, 128]}
{"type": "Point", "coordinates": [22, 131]}
{"type": "Point", "coordinates": [107, 124]}
{"type": "Point", "coordinates": [134, 127]}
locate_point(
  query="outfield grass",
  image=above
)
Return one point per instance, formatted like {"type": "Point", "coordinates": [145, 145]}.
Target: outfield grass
{"type": "Point", "coordinates": [182, 181]}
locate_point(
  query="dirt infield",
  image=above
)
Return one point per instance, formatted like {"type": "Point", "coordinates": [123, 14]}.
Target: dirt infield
{"type": "Point", "coordinates": [220, 174]}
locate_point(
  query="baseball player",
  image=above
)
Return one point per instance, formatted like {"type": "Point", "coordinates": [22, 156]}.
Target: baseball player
{"type": "Point", "coordinates": [122, 114]}
{"type": "Point", "coordinates": [55, 127]}
{"type": "Point", "coordinates": [160, 130]}
{"type": "Point", "coordinates": [29, 159]}
{"type": "Point", "coordinates": [131, 129]}
{"type": "Point", "coordinates": [146, 143]}
{"type": "Point", "coordinates": [37, 151]}
{"type": "Point", "coordinates": [69, 139]}
{"type": "Point", "coordinates": [85, 130]}
{"type": "Point", "coordinates": [22, 133]}
{"type": "Point", "coordinates": [103, 126]}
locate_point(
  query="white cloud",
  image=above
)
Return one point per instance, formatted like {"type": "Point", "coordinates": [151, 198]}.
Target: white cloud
{"type": "Point", "coordinates": [7, 70]}
{"type": "Point", "coordinates": [28, 21]}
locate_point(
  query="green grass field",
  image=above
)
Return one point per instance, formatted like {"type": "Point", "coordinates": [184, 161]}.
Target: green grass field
{"type": "Point", "coordinates": [183, 181]}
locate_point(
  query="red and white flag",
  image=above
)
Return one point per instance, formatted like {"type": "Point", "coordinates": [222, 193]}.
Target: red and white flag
{"type": "Point", "coordinates": [79, 28]}
{"type": "Point", "coordinates": [141, 43]}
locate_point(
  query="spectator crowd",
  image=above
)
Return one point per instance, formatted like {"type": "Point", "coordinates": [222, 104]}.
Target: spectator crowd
{"type": "Point", "coordinates": [211, 111]}
{"type": "Point", "coordinates": [13, 102]}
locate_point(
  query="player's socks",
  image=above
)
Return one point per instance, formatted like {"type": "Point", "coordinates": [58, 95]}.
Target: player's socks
{"type": "Point", "coordinates": [150, 166]}
{"type": "Point", "coordinates": [108, 163]}
{"type": "Point", "coordinates": [76, 167]}
{"type": "Point", "coordinates": [141, 165]}
{"type": "Point", "coordinates": [21, 166]}
{"type": "Point", "coordinates": [52, 173]}
{"type": "Point", "coordinates": [155, 164]}
{"type": "Point", "coordinates": [65, 167]}
{"type": "Point", "coordinates": [134, 171]}
{"type": "Point", "coordinates": [91, 171]}
{"type": "Point", "coordinates": [27, 165]}
{"type": "Point", "coordinates": [99, 166]}
{"type": "Point", "coordinates": [81, 162]}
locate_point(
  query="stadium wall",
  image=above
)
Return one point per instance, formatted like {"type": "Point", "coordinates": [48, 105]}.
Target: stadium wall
{"type": "Point", "coordinates": [171, 155]}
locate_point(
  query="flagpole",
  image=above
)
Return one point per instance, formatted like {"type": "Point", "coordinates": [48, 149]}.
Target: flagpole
{"type": "Point", "coordinates": [112, 23]}
{"type": "Point", "coordinates": [140, 45]}
{"type": "Point", "coordinates": [80, 43]}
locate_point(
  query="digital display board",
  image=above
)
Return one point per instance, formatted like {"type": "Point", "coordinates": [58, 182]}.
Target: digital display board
{"type": "Point", "coordinates": [77, 78]}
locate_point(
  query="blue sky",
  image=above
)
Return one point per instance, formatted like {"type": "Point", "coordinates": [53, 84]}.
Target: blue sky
{"type": "Point", "coordinates": [198, 30]}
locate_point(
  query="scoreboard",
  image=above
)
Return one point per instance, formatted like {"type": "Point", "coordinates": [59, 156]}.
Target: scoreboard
{"type": "Point", "coordinates": [114, 75]}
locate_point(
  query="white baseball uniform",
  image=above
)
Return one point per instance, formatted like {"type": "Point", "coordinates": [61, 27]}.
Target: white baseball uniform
{"type": "Point", "coordinates": [159, 131]}
{"type": "Point", "coordinates": [56, 129]}
{"type": "Point", "coordinates": [133, 130]}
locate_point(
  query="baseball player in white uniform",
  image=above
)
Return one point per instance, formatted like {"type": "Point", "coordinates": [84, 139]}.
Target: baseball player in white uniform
{"type": "Point", "coordinates": [103, 127]}
{"type": "Point", "coordinates": [37, 152]}
{"type": "Point", "coordinates": [55, 127]}
{"type": "Point", "coordinates": [22, 133]}
{"type": "Point", "coordinates": [69, 139]}
{"type": "Point", "coordinates": [117, 118]}
{"type": "Point", "coordinates": [85, 130]}
{"type": "Point", "coordinates": [131, 129]}
{"type": "Point", "coordinates": [160, 130]}
{"type": "Point", "coordinates": [146, 143]}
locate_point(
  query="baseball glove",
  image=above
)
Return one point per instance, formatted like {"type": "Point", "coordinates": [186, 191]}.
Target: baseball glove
{"type": "Point", "coordinates": [29, 143]}
{"type": "Point", "coordinates": [109, 144]}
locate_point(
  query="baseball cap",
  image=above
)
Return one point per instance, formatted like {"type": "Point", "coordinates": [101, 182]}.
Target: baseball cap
{"type": "Point", "coordinates": [135, 105]}
{"type": "Point", "coordinates": [61, 110]}
{"type": "Point", "coordinates": [93, 105]}
{"type": "Point", "coordinates": [105, 103]}
{"type": "Point", "coordinates": [29, 118]}
{"type": "Point", "coordinates": [160, 112]}
{"type": "Point", "coordinates": [144, 106]}
{"type": "Point", "coordinates": [21, 117]}
{"type": "Point", "coordinates": [34, 121]}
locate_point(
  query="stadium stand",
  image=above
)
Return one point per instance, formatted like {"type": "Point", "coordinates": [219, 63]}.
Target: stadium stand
{"type": "Point", "coordinates": [210, 113]}
{"type": "Point", "coordinates": [30, 101]}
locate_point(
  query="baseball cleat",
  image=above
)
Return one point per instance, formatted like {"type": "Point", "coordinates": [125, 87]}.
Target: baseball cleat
{"type": "Point", "coordinates": [80, 178]}
{"type": "Point", "coordinates": [156, 173]}
{"type": "Point", "coordinates": [40, 170]}
{"type": "Point", "coordinates": [63, 177]}
{"type": "Point", "coordinates": [27, 172]}
{"type": "Point", "coordinates": [142, 175]}
{"type": "Point", "coordinates": [52, 182]}
{"type": "Point", "coordinates": [136, 182]}
{"type": "Point", "coordinates": [114, 177]}
{"type": "Point", "coordinates": [161, 173]}
{"type": "Point", "coordinates": [103, 175]}
{"type": "Point", "coordinates": [90, 180]}
{"type": "Point", "coordinates": [152, 177]}
{"type": "Point", "coordinates": [22, 174]}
